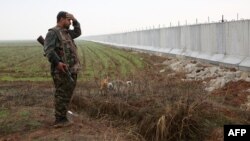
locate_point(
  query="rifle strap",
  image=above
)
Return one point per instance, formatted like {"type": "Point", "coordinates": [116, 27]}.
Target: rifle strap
{"type": "Point", "coordinates": [58, 33]}
{"type": "Point", "coordinates": [60, 37]}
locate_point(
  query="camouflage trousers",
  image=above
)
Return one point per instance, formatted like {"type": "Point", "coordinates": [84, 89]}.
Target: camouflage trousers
{"type": "Point", "coordinates": [64, 89]}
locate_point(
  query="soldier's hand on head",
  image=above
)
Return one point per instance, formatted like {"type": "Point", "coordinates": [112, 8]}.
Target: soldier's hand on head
{"type": "Point", "coordinates": [70, 16]}
{"type": "Point", "coordinates": [61, 67]}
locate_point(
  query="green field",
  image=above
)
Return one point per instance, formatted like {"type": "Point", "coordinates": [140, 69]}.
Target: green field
{"type": "Point", "coordinates": [25, 61]}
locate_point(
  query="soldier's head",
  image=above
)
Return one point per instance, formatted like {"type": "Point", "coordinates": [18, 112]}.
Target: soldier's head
{"type": "Point", "coordinates": [62, 19]}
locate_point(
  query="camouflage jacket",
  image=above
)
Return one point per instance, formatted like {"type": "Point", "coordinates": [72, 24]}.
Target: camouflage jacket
{"type": "Point", "coordinates": [54, 47]}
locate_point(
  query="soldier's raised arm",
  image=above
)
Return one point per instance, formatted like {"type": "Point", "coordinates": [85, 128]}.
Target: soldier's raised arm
{"type": "Point", "coordinates": [76, 32]}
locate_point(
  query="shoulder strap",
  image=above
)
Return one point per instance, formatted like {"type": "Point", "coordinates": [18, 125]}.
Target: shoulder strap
{"type": "Point", "coordinates": [56, 30]}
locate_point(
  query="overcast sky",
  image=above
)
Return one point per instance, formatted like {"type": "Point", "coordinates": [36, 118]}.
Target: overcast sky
{"type": "Point", "coordinates": [27, 19]}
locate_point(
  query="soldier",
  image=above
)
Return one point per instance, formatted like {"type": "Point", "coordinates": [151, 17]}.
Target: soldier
{"type": "Point", "coordinates": [61, 52]}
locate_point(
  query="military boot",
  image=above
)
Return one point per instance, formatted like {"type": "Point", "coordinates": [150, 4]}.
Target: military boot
{"type": "Point", "coordinates": [62, 122]}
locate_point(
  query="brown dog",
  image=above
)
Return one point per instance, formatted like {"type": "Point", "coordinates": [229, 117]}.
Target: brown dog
{"type": "Point", "coordinates": [104, 85]}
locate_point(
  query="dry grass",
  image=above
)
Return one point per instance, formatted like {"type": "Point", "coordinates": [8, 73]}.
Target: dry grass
{"type": "Point", "coordinates": [157, 107]}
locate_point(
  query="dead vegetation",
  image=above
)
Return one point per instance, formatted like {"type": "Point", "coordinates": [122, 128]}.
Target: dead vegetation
{"type": "Point", "coordinates": [158, 107]}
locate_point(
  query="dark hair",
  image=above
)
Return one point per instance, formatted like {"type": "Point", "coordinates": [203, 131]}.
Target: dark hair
{"type": "Point", "coordinates": [61, 14]}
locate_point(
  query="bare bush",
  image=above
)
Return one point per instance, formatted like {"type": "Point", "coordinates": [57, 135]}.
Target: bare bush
{"type": "Point", "coordinates": [160, 107]}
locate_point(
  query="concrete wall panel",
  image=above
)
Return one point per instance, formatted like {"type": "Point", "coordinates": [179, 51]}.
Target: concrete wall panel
{"type": "Point", "coordinates": [226, 43]}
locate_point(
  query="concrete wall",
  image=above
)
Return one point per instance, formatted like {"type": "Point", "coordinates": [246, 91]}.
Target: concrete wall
{"type": "Point", "coordinates": [224, 43]}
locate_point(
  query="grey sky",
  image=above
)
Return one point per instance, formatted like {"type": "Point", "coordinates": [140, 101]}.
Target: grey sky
{"type": "Point", "coordinates": [26, 19]}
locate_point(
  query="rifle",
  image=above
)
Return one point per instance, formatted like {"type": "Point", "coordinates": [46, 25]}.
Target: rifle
{"type": "Point", "coordinates": [40, 39]}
